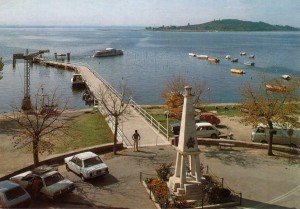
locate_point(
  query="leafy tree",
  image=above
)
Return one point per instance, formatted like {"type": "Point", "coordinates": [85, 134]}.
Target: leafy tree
{"type": "Point", "coordinates": [271, 107]}
{"type": "Point", "coordinates": [114, 105]}
{"type": "Point", "coordinates": [40, 125]}
{"type": "Point", "coordinates": [173, 94]}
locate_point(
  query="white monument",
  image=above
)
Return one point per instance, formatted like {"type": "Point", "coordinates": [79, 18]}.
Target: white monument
{"type": "Point", "coordinates": [187, 177]}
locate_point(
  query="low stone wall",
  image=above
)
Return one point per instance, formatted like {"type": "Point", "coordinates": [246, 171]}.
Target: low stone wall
{"type": "Point", "coordinates": [253, 145]}
{"type": "Point", "coordinates": [59, 159]}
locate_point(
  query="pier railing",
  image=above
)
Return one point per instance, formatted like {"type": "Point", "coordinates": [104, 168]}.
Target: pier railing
{"type": "Point", "coordinates": [150, 119]}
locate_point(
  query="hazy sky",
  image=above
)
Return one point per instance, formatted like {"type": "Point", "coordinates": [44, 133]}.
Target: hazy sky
{"type": "Point", "coordinates": [146, 12]}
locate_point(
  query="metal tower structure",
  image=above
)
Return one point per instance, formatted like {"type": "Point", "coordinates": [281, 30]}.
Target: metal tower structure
{"type": "Point", "coordinates": [28, 58]}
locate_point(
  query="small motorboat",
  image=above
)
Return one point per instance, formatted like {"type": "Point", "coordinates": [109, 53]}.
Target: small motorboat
{"type": "Point", "coordinates": [286, 77]}
{"type": "Point", "coordinates": [243, 53]}
{"type": "Point", "coordinates": [192, 55]}
{"type": "Point", "coordinates": [227, 57]}
{"type": "Point", "coordinates": [249, 63]}
{"type": "Point", "coordinates": [202, 56]}
{"type": "Point", "coordinates": [213, 60]}
{"type": "Point", "coordinates": [77, 80]}
{"type": "Point", "coordinates": [235, 60]}
{"type": "Point", "coordinates": [238, 71]}
{"type": "Point", "coordinates": [251, 56]}
{"type": "Point", "coordinates": [277, 88]}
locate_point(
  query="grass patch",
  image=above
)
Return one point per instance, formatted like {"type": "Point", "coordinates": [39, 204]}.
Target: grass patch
{"type": "Point", "coordinates": [224, 110]}
{"type": "Point", "coordinates": [87, 130]}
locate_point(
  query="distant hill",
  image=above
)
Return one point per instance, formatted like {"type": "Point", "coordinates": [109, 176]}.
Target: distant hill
{"type": "Point", "coordinates": [227, 25]}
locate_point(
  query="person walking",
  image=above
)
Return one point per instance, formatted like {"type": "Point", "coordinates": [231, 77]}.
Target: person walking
{"type": "Point", "coordinates": [136, 137]}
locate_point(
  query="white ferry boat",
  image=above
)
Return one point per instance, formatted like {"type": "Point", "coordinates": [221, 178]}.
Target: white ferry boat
{"type": "Point", "coordinates": [108, 52]}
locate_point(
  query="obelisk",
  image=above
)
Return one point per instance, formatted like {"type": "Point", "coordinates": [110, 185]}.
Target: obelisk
{"type": "Point", "coordinates": [187, 154]}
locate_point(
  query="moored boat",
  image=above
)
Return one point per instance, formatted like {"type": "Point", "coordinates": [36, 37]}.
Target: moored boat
{"type": "Point", "coordinates": [243, 53]}
{"type": "Point", "coordinates": [213, 60]}
{"type": "Point", "coordinates": [108, 52]}
{"type": "Point", "coordinates": [286, 77]}
{"type": "Point", "coordinates": [235, 60]}
{"type": "Point", "coordinates": [202, 56]}
{"type": "Point", "coordinates": [192, 55]}
{"type": "Point", "coordinates": [249, 63]}
{"type": "Point", "coordinates": [251, 56]}
{"type": "Point", "coordinates": [227, 57]}
{"type": "Point", "coordinates": [270, 87]}
{"type": "Point", "coordinates": [237, 71]}
{"type": "Point", "coordinates": [77, 80]}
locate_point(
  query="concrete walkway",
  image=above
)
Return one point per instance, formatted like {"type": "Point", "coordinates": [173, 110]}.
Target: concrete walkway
{"type": "Point", "coordinates": [131, 121]}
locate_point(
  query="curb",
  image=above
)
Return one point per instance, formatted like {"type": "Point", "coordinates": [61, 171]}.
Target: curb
{"type": "Point", "coordinates": [58, 160]}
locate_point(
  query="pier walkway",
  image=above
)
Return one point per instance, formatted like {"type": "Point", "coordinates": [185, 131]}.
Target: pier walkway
{"type": "Point", "coordinates": [135, 118]}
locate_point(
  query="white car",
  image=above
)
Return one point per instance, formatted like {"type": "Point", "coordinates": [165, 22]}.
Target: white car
{"type": "Point", "coordinates": [87, 165]}
{"type": "Point", "coordinates": [13, 196]}
{"type": "Point", "coordinates": [204, 129]}
{"type": "Point", "coordinates": [53, 183]}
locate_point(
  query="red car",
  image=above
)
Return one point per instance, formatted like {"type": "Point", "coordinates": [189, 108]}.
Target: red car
{"type": "Point", "coordinates": [209, 117]}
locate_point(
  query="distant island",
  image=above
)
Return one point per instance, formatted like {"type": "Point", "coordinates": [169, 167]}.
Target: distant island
{"type": "Point", "coordinates": [226, 25]}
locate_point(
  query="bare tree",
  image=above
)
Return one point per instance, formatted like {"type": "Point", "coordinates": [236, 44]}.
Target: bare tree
{"type": "Point", "coordinates": [274, 106]}
{"type": "Point", "coordinates": [115, 105]}
{"type": "Point", "coordinates": [173, 94]}
{"type": "Point", "coordinates": [40, 124]}
{"type": "Point", "coordinates": [1, 68]}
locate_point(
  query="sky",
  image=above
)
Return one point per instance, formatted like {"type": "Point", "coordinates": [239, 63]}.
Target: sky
{"type": "Point", "coordinates": [145, 12]}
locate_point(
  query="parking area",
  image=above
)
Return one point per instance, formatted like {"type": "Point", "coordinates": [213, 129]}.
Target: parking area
{"type": "Point", "coordinates": [244, 170]}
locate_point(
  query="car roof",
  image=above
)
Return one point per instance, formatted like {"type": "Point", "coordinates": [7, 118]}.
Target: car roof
{"type": "Point", "coordinates": [6, 185]}
{"type": "Point", "coordinates": [86, 155]}
{"type": "Point", "coordinates": [203, 124]}
{"type": "Point", "coordinates": [207, 113]}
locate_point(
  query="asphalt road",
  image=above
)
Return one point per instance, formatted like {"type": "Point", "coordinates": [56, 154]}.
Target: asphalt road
{"type": "Point", "coordinates": [265, 182]}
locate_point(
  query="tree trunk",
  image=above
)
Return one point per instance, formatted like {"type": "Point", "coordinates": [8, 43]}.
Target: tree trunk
{"type": "Point", "coordinates": [115, 134]}
{"type": "Point", "coordinates": [35, 153]}
{"type": "Point", "coordinates": [270, 149]}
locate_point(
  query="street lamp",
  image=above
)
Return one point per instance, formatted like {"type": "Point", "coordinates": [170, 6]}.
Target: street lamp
{"type": "Point", "coordinates": [167, 113]}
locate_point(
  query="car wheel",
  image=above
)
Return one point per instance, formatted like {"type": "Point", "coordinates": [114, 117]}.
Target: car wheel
{"type": "Point", "coordinates": [264, 142]}
{"type": "Point", "coordinates": [214, 136]}
{"type": "Point", "coordinates": [67, 167]}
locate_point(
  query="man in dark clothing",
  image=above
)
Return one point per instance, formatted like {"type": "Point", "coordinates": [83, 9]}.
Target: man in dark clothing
{"type": "Point", "coordinates": [136, 137]}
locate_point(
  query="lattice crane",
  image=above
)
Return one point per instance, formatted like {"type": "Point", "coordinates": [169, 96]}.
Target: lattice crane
{"type": "Point", "coordinates": [28, 58]}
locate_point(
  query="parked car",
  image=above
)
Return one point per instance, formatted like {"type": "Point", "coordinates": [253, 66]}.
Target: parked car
{"type": "Point", "coordinates": [208, 117]}
{"type": "Point", "coordinates": [282, 136]}
{"type": "Point", "coordinates": [175, 127]}
{"type": "Point", "coordinates": [203, 129]}
{"type": "Point", "coordinates": [12, 195]}
{"type": "Point", "coordinates": [87, 165]}
{"type": "Point", "coordinates": [53, 184]}
{"type": "Point", "coordinates": [207, 130]}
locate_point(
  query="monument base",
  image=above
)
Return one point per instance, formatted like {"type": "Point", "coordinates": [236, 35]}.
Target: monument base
{"type": "Point", "coordinates": [191, 189]}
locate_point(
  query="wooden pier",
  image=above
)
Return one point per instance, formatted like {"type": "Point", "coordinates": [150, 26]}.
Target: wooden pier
{"type": "Point", "coordinates": [152, 133]}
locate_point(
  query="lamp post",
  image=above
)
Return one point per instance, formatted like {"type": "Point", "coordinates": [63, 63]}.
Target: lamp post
{"type": "Point", "coordinates": [167, 113]}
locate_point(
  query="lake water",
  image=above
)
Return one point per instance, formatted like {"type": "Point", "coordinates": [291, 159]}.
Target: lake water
{"type": "Point", "coordinates": [150, 59]}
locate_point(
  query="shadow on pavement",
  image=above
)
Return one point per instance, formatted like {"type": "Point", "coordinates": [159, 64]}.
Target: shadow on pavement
{"type": "Point", "coordinates": [231, 157]}
{"type": "Point", "coordinates": [255, 204]}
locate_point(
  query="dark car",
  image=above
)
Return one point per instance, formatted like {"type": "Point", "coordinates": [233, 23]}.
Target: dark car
{"type": "Point", "coordinates": [175, 128]}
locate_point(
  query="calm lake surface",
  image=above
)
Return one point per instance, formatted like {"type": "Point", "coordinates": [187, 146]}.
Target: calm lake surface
{"type": "Point", "coordinates": [150, 59]}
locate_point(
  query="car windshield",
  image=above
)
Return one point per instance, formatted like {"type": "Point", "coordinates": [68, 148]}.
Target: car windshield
{"type": "Point", "coordinates": [49, 180]}
{"type": "Point", "coordinates": [14, 193]}
{"type": "Point", "coordinates": [92, 161]}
